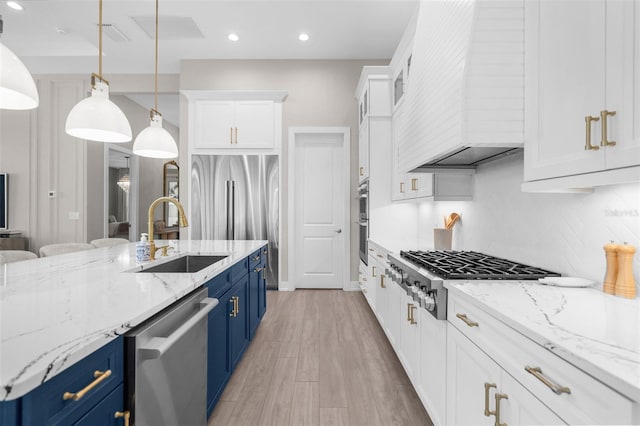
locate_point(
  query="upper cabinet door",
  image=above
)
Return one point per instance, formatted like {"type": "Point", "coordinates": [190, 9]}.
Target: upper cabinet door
{"type": "Point", "coordinates": [215, 124]}
{"type": "Point", "coordinates": [565, 75]}
{"type": "Point", "coordinates": [254, 124]}
{"type": "Point", "coordinates": [623, 83]}
{"type": "Point", "coordinates": [234, 124]}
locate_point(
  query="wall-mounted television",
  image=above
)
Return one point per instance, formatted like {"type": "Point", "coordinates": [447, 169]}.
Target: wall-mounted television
{"type": "Point", "coordinates": [4, 200]}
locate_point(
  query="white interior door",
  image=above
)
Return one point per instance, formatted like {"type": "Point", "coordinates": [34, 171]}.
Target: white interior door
{"type": "Point", "coordinates": [320, 188]}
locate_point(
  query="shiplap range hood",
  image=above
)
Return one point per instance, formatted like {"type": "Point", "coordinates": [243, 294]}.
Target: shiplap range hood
{"type": "Point", "coordinates": [465, 97]}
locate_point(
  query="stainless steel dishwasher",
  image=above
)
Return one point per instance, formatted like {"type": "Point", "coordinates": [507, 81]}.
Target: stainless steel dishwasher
{"type": "Point", "coordinates": [166, 365]}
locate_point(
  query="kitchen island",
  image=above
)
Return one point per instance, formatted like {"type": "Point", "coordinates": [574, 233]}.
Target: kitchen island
{"type": "Point", "coordinates": [55, 311]}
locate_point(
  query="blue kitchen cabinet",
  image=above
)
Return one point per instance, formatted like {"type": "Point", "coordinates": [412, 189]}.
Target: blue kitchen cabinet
{"type": "Point", "coordinates": [257, 289]}
{"type": "Point", "coordinates": [218, 355]}
{"type": "Point", "coordinates": [238, 323]}
{"type": "Point", "coordinates": [45, 405]}
{"type": "Point", "coordinates": [262, 284]}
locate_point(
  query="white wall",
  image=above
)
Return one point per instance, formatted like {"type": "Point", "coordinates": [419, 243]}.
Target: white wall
{"type": "Point", "coordinates": [321, 93]}
{"type": "Point", "coordinates": [561, 232]}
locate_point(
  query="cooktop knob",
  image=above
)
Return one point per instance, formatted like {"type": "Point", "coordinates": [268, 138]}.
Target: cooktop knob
{"type": "Point", "coordinates": [430, 302]}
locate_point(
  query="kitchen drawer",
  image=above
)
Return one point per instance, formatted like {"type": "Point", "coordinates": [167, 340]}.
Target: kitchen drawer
{"type": "Point", "coordinates": [239, 270]}
{"type": "Point", "coordinates": [589, 401]}
{"type": "Point", "coordinates": [264, 252]}
{"type": "Point", "coordinates": [219, 284]}
{"type": "Point", "coordinates": [45, 404]}
{"type": "Point", "coordinates": [377, 252]}
{"type": "Point", "coordinates": [103, 414]}
{"type": "Point", "coordinates": [254, 259]}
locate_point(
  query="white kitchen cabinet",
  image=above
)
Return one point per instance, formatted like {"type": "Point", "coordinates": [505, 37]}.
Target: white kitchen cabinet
{"type": "Point", "coordinates": [581, 62]}
{"type": "Point", "coordinates": [374, 112]}
{"type": "Point", "coordinates": [409, 334]}
{"type": "Point", "coordinates": [432, 352]}
{"type": "Point", "coordinates": [550, 386]}
{"type": "Point", "coordinates": [234, 124]}
{"type": "Point", "coordinates": [480, 392]}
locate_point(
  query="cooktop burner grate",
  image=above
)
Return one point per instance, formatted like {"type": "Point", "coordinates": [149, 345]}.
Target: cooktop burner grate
{"type": "Point", "coordinates": [471, 265]}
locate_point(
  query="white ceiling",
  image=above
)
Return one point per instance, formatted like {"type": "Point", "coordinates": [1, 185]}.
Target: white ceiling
{"type": "Point", "coordinates": [60, 36]}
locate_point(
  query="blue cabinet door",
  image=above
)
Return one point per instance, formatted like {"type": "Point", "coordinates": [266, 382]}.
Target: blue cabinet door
{"type": "Point", "coordinates": [238, 323]}
{"type": "Point", "coordinates": [218, 361]}
{"type": "Point", "coordinates": [255, 276]}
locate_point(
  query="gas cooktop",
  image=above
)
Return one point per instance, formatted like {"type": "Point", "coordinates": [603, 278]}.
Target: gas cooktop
{"type": "Point", "coordinates": [471, 265]}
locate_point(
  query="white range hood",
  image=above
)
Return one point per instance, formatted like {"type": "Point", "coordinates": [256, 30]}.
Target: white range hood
{"type": "Point", "coordinates": [465, 97]}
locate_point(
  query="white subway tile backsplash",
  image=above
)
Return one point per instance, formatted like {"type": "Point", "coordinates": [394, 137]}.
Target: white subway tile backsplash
{"type": "Point", "coordinates": [560, 232]}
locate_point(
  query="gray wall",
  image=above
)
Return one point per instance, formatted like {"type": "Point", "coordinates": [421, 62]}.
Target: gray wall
{"type": "Point", "coordinates": [321, 93]}
{"type": "Point", "coordinates": [39, 156]}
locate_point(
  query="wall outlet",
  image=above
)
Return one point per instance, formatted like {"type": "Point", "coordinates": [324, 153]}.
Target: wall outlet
{"type": "Point", "coordinates": [51, 194]}
{"type": "Point", "coordinates": [74, 215]}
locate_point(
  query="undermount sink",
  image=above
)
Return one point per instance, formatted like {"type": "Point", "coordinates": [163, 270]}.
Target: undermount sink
{"type": "Point", "coordinates": [185, 264]}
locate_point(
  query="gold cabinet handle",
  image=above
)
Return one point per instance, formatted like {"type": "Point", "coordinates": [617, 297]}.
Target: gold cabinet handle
{"type": "Point", "coordinates": [603, 141]}
{"type": "Point", "coordinates": [487, 387]}
{"type": "Point", "coordinates": [253, 259]}
{"type": "Point", "coordinates": [402, 187]}
{"type": "Point", "coordinates": [537, 373]}
{"type": "Point", "coordinates": [466, 320]}
{"type": "Point", "coordinates": [121, 414]}
{"type": "Point", "coordinates": [361, 171]}
{"type": "Point", "coordinates": [237, 305]}
{"type": "Point", "coordinates": [380, 256]}
{"type": "Point", "coordinates": [499, 396]}
{"type": "Point", "coordinates": [257, 269]}
{"type": "Point", "coordinates": [236, 136]}
{"type": "Point", "coordinates": [231, 135]}
{"type": "Point", "coordinates": [414, 184]}
{"type": "Point", "coordinates": [373, 271]}
{"type": "Point", "coordinates": [382, 282]}
{"type": "Point", "coordinates": [99, 377]}
{"type": "Point", "coordinates": [413, 320]}
{"type": "Point", "coordinates": [409, 312]}
{"type": "Point", "coordinates": [587, 145]}
{"type": "Point", "coordinates": [233, 313]}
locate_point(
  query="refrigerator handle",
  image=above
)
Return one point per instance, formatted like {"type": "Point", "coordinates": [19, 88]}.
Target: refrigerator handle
{"type": "Point", "coordinates": [231, 199]}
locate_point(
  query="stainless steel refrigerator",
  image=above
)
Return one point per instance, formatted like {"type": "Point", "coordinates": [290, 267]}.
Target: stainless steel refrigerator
{"type": "Point", "coordinates": [236, 197]}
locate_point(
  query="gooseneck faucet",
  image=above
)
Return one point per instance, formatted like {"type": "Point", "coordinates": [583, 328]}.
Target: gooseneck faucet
{"type": "Point", "coordinates": [182, 220]}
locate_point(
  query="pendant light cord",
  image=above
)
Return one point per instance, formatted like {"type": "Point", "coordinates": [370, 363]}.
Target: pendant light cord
{"type": "Point", "coordinates": [100, 41]}
{"type": "Point", "coordinates": [156, 69]}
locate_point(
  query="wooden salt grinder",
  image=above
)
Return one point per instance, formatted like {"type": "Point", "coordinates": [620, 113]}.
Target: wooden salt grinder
{"type": "Point", "coordinates": [611, 252]}
{"type": "Point", "coordinates": [625, 285]}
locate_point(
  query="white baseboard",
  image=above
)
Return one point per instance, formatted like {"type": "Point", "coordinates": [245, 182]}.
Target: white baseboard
{"type": "Point", "coordinates": [353, 286]}
{"type": "Point", "coordinates": [284, 286]}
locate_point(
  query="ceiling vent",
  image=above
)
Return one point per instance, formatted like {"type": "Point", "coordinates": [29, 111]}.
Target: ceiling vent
{"type": "Point", "coordinates": [171, 27]}
{"type": "Point", "coordinates": [114, 33]}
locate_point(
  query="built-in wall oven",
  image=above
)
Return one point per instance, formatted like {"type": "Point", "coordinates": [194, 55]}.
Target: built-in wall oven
{"type": "Point", "coordinates": [363, 219]}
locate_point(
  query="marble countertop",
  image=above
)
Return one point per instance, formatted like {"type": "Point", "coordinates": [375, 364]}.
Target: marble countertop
{"type": "Point", "coordinates": [596, 332]}
{"type": "Point", "coordinates": [56, 310]}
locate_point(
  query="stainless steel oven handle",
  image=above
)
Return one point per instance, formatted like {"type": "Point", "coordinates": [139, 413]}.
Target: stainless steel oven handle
{"type": "Point", "coordinates": [157, 346]}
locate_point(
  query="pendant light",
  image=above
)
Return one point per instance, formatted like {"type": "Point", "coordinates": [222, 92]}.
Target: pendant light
{"type": "Point", "coordinates": [96, 118]}
{"type": "Point", "coordinates": [125, 182]}
{"type": "Point", "coordinates": [17, 88]}
{"type": "Point", "coordinates": [155, 141]}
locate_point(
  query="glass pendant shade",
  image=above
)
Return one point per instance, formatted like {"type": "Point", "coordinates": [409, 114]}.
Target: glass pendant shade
{"type": "Point", "coordinates": [17, 88]}
{"type": "Point", "coordinates": [155, 141]}
{"type": "Point", "coordinates": [96, 118]}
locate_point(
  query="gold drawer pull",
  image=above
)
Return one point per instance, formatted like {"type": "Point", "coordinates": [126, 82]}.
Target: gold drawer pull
{"type": "Point", "coordinates": [587, 145]}
{"type": "Point", "coordinates": [257, 270]}
{"type": "Point", "coordinates": [402, 187]}
{"type": "Point", "coordinates": [99, 377]}
{"type": "Point", "coordinates": [466, 320]}
{"type": "Point", "coordinates": [361, 171]}
{"type": "Point", "coordinates": [488, 412]}
{"type": "Point", "coordinates": [382, 282]}
{"type": "Point", "coordinates": [257, 257]}
{"type": "Point", "coordinates": [604, 141]}
{"type": "Point", "coordinates": [499, 396]}
{"type": "Point", "coordinates": [121, 414]}
{"type": "Point", "coordinates": [537, 373]}
{"type": "Point", "coordinates": [373, 271]}
{"type": "Point", "coordinates": [414, 184]}
{"type": "Point", "coordinates": [409, 312]}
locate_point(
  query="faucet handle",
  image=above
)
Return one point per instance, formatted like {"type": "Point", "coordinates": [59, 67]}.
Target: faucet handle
{"type": "Point", "coordinates": [165, 249]}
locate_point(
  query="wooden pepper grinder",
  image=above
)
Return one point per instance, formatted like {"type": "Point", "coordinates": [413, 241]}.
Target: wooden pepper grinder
{"type": "Point", "coordinates": [625, 284]}
{"type": "Point", "coordinates": [611, 252]}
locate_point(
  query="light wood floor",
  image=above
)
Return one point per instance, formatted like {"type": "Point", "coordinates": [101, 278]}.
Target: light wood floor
{"type": "Point", "coordinates": [319, 358]}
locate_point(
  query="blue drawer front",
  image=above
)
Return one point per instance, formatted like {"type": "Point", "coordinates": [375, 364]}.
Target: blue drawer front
{"type": "Point", "coordinates": [45, 404]}
{"type": "Point", "coordinates": [254, 258]}
{"type": "Point", "coordinates": [238, 270]}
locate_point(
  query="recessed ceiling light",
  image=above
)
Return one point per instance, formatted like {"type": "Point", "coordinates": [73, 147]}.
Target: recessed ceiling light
{"type": "Point", "coordinates": [303, 37]}
{"type": "Point", "coordinates": [233, 37]}
{"type": "Point", "coordinates": [14, 5]}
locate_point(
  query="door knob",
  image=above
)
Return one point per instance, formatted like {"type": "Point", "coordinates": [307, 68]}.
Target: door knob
{"type": "Point", "coordinates": [338, 231]}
